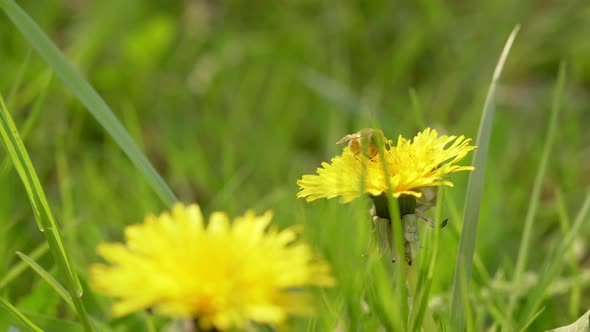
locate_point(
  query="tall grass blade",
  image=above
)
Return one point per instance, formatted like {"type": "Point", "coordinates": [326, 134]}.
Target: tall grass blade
{"type": "Point", "coordinates": [45, 77]}
{"type": "Point", "coordinates": [20, 267]}
{"type": "Point", "coordinates": [47, 277]}
{"type": "Point", "coordinates": [427, 271]}
{"type": "Point", "coordinates": [21, 318]}
{"type": "Point", "coordinates": [525, 241]}
{"type": "Point", "coordinates": [401, 293]}
{"type": "Point", "coordinates": [16, 83]}
{"type": "Point", "coordinates": [556, 262]}
{"type": "Point", "coordinates": [45, 221]}
{"type": "Point", "coordinates": [87, 96]}
{"type": "Point", "coordinates": [464, 260]}
{"type": "Point", "coordinates": [378, 291]}
{"type": "Point", "coordinates": [531, 320]}
{"type": "Point", "coordinates": [31, 117]}
{"type": "Point", "coordinates": [417, 108]}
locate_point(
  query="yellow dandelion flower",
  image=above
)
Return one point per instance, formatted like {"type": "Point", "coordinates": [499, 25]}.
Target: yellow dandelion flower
{"type": "Point", "coordinates": [223, 275]}
{"type": "Point", "coordinates": [410, 166]}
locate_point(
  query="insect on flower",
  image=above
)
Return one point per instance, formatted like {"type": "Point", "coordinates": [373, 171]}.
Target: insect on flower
{"type": "Point", "coordinates": [409, 171]}
{"type": "Point", "coordinates": [365, 141]}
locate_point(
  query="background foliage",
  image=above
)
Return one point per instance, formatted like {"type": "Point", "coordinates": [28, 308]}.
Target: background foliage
{"type": "Point", "coordinates": [234, 100]}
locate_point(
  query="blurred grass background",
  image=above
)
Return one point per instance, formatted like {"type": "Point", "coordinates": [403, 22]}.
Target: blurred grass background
{"type": "Point", "coordinates": [234, 100]}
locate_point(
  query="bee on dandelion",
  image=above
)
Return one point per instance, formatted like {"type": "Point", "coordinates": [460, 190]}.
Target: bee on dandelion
{"type": "Point", "coordinates": [365, 141]}
{"type": "Point", "coordinates": [413, 169]}
{"type": "Point", "coordinates": [218, 276]}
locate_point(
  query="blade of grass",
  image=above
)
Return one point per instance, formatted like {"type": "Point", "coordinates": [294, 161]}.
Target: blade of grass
{"type": "Point", "coordinates": [562, 213]}
{"type": "Point", "coordinates": [16, 83]}
{"type": "Point", "coordinates": [480, 268]}
{"type": "Point", "coordinates": [531, 320]}
{"type": "Point", "coordinates": [468, 314]}
{"type": "Point", "coordinates": [464, 260]}
{"type": "Point", "coordinates": [427, 273]}
{"type": "Point", "coordinates": [417, 108]}
{"type": "Point", "coordinates": [65, 188]}
{"type": "Point", "coordinates": [401, 294]}
{"type": "Point", "coordinates": [87, 96]}
{"type": "Point", "coordinates": [149, 323]}
{"type": "Point", "coordinates": [45, 221]}
{"type": "Point", "coordinates": [31, 118]}
{"type": "Point", "coordinates": [495, 312]}
{"type": "Point", "coordinates": [33, 115]}
{"type": "Point", "coordinates": [378, 289]}
{"type": "Point", "coordinates": [497, 299]}
{"type": "Point", "coordinates": [18, 268]}
{"type": "Point", "coordinates": [555, 262]}
{"type": "Point", "coordinates": [21, 318]}
{"type": "Point", "coordinates": [59, 289]}
{"type": "Point", "coordinates": [564, 221]}
{"type": "Point", "coordinates": [525, 241]}
{"type": "Point", "coordinates": [401, 291]}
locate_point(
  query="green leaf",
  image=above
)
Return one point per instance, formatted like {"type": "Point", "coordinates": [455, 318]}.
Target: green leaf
{"type": "Point", "coordinates": [531, 320]}
{"type": "Point", "coordinates": [48, 278]}
{"type": "Point", "coordinates": [87, 96]}
{"type": "Point", "coordinates": [555, 261]}
{"type": "Point", "coordinates": [18, 268]}
{"type": "Point", "coordinates": [43, 215]}
{"type": "Point", "coordinates": [427, 270]}
{"type": "Point", "coordinates": [45, 79]}
{"type": "Point", "coordinates": [21, 318]}
{"type": "Point", "coordinates": [525, 241]}
{"type": "Point", "coordinates": [464, 262]}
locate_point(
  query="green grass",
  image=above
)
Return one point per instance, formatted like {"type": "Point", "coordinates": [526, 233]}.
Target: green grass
{"type": "Point", "coordinates": [228, 103]}
{"type": "Point", "coordinates": [475, 188]}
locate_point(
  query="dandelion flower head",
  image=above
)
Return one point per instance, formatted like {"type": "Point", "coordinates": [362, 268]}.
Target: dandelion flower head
{"type": "Point", "coordinates": [410, 165]}
{"type": "Point", "coordinates": [223, 275]}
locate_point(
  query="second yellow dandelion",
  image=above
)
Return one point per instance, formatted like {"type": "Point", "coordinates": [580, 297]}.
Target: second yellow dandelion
{"type": "Point", "coordinates": [221, 275]}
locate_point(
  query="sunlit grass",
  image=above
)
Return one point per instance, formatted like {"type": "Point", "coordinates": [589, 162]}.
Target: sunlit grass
{"type": "Point", "coordinates": [232, 114]}
{"type": "Point", "coordinates": [475, 189]}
